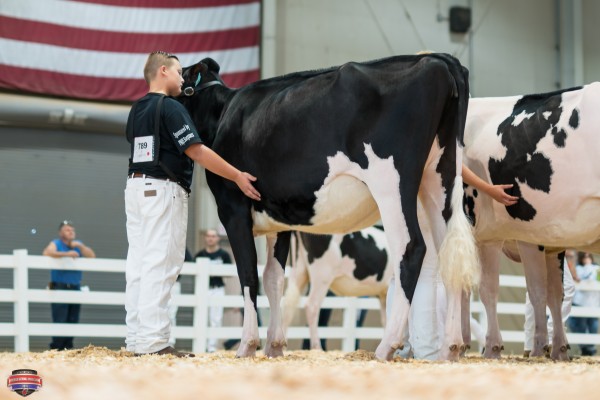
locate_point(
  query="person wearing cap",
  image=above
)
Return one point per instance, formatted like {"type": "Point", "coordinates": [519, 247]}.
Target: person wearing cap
{"type": "Point", "coordinates": [65, 279]}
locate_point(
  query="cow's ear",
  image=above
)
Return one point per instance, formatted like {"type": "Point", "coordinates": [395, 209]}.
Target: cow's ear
{"type": "Point", "coordinates": [200, 68]}
{"type": "Point", "coordinates": [212, 65]}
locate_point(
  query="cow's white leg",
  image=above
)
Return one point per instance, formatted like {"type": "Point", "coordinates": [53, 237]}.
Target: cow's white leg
{"type": "Point", "coordinates": [396, 325]}
{"type": "Point", "coordinates": [465, 319]}
{"type": "Point", "coordinates": [386, 194]}
{"type": "Point", "coordinates": [383, 307]}
{"type": "Point", "coordinates": [250, 338]}
{"type": "Point", "coordinates": [534, 262]}
{"type": "Point", "coordinates": [273, 281]}
{"type": "Point", "coordinates": [296, 284]}
{"type": "Point", "coordinates": [489, 288]}
{"type": "Point", "coordinates": [320, 281]}
{"type": "Point", "coordinates": [556, 296]}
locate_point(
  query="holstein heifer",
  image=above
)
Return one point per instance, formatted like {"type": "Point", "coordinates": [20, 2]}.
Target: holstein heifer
{"type": "Point", "coordinates": [334, 150]}
{"type": "Point", "coordinates": [545, 145]}
{"type": "Point", "coordinates": [355, 264]}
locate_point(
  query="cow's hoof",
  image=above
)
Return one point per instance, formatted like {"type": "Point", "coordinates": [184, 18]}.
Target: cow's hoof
{"type": "Point", "coordinates": [274, 352]}
{"type": "Point", "coordinates": [397, 346]}
{"type": "Point", "coordinates": [384, 352]}
{"type": "Point", "coordinates": [539, 351]}
{"type": "Point", "coordinates": [453, 353]}
{"type": "Point", "coordinates": [493, 352]}
{"type": "Point", "coordinates": [275, 349]}
{"type": "Point", "coordinates": [463, 349]}
{"type": "Point", "coordinates": [560, 353]}
{"type": "Point", "coordinates": [247, 348]}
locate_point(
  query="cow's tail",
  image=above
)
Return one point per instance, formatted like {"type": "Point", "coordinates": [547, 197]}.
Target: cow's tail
{"type": "Point", "coordinates": [459, 255]}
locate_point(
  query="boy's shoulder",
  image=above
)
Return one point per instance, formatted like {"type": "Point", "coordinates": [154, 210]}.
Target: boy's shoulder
{"type": "Point", "coordinates": [171, 101]}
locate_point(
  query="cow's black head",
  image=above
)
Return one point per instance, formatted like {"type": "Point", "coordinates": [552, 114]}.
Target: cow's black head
{"type": "Point", "coordinates": [205, 106]}
{"type": "Point", "coordinates": [200, 76]}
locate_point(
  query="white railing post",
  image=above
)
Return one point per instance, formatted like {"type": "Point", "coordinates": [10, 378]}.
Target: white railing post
{"type": "Point", "coordinates": [21, 306]}
{"type": "Point", "coordinates": [201, 308]}
{"type": "Point", "coordinates": [350, 313]}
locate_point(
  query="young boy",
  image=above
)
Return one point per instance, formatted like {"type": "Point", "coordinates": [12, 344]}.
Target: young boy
{"type": "Point", "coordinates": [164, 145]}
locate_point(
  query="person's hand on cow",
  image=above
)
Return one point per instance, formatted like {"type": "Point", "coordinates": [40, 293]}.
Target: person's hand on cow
{"type": "Point", "coordinates": [497, 192]}
{"type": "Point", "coordinates": [244, 181]}
{"type": "Point", "coordinates": [214, 163]}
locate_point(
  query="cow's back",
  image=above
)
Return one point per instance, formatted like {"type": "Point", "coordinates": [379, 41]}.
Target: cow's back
{"type": "Point", "coordinates": [546, 146]}
{"type": "Point", "coordinates": [305, 137]}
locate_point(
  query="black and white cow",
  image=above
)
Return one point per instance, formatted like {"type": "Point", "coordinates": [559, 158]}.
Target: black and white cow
{"type": "Point", "coordinates": [546, 146]}
{"type": "Point", "coordinates": [354, 264]}
{"type": "Point", "coordinates": [334, 150]}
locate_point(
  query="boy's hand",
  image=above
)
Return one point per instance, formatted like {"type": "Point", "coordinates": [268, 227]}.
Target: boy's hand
{"type": "Point", "coordinates": [244, 181]}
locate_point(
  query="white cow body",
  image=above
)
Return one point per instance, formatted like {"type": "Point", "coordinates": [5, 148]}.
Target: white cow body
{"type": "Point", "coordinates": [546, 146]}
{"type": "Point", "coordinates": [336, 271]}
{"type": "Point", "coordinates": [564, 215]}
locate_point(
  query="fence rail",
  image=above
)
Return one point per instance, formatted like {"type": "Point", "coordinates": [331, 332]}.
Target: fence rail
{"type": "Point", "coordinates": [21, 295]}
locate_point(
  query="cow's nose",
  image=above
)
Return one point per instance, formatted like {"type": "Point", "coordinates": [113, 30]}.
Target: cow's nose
{"type": "Point", "coordinates": [188, 91]}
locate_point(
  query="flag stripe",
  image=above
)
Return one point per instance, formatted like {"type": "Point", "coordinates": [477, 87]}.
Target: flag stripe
{"type": "Point", "coordinates": [111, 65]}
{"type": "Point", "coordinates": [86, 87]}
{"type": "Point", "coordinates": [88, 39]}
{"type": "Point", "coordinates": [96, 49]}
{"type": "Point", "coordinates": [166, 3]}
{"type": "Point", "coordinates": [129, 19]}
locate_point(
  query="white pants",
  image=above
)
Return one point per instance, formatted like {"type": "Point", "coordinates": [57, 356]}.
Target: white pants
{"type": "Point", "coordinates": [426, 320]}
{"type": "Point", "coordinates": [176, 290]}
{"type": "Point", "coordinates": [215, 316]}
{"type": "Point", "coordinates": [529, 327]}
{"type": "Point", "coordinates": [156, 228]}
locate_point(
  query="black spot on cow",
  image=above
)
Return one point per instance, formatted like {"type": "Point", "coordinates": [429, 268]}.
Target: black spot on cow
{"type": "Point", "coordinates": [369, 259]}
{"type": "Point", "coordinates": [315, 245]}
{"type": "Point", "coordinates": [574, 120]}
{"type": "Point", "coordinates": [559, 136]}
{"type": "Point", "coordinates": [469, 207]}
{"type": "Point", "coordinates": [522, 163]}
{"type": "Point", "coordinates": [540, 247]}
{"type": "Point", "coordinates": [411, 255]}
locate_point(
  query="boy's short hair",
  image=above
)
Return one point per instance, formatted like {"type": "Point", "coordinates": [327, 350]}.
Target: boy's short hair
{"type": "Point", "coordinates": [155, 60]}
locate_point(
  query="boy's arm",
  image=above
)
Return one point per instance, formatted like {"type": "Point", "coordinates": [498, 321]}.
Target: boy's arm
{"type": "Point", "coordinates": [215, 164]}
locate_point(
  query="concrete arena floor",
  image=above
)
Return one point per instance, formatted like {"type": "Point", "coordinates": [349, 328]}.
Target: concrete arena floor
{"type": "Point", "coordinates": [98, 373]}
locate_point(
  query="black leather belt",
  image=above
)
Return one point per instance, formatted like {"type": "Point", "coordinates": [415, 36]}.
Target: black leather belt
{"type": "Point", "coordinates": [140, 175]}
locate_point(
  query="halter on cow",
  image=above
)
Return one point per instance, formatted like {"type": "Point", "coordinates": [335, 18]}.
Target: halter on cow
{"type": "Point", "coordinates": [334, 150]}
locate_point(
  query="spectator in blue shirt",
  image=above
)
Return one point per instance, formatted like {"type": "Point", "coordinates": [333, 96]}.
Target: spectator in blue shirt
{"type": "Point", "coordinates": [66, 246]}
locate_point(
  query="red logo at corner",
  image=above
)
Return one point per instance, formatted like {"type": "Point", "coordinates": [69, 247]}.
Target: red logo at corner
{"type": "Point", "coordinates": [24, 382]}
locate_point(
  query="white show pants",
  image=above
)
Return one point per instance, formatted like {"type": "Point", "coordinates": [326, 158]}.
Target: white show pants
{"type": "Point", "coordinates": [156, 229]}
{"type": "Point", "coordinates": [423, 339]}
{"type": "Point", "coordinates": [569, 292]}
{"type": "Point", "coordinates": [215, 316]}
{"type": "Point", "coordinates": [176, 290]}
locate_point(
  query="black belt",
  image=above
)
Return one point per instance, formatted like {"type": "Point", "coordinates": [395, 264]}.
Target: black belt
{"type": "Point", "coordinates": [140, 175]}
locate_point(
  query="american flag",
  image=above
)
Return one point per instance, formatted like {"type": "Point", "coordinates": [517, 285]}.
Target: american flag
{"type": "Point", "coordinates": [96, 49]}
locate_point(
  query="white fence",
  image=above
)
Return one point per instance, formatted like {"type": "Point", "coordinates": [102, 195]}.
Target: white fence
{"type": "Point", "coordinates": [21, 295]}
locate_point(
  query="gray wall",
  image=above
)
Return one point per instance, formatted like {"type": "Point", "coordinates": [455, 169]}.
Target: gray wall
{"type": "Point", "coordinates": [514, 49]}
